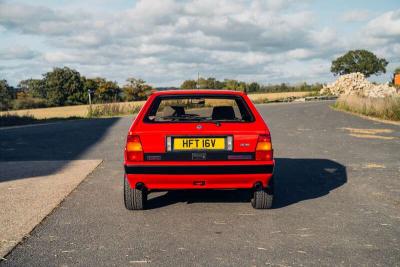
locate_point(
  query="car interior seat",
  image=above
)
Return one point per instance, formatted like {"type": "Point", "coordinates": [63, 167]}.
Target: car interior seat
{"type": "Point", "coordinates": [223, 113]}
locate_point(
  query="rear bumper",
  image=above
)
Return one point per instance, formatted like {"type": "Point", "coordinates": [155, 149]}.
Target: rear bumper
{"type": "Point", "coordinates": [196, 169]}
{"type": "Point", "coordinates": [198, 176]}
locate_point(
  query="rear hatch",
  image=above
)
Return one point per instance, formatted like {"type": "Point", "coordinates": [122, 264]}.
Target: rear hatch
{"type": "Point", "coordinates": [199, 128]}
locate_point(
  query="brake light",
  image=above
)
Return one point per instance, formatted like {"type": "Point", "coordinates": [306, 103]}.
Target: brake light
{"type": "Point", "coordinates": [133, 149]}
{"type": "Point", "coordinates": [264, 148]}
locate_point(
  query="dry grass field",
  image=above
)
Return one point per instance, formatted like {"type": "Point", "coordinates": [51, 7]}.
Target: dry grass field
{"type": "Point", "coordinates": [67, 111]}
{"type": "Point", "coordinates": [387, 108]}
{"type": "Point", "coordinates": [82, 110]}
{"type": "Point", "coordinates": [275, 96]}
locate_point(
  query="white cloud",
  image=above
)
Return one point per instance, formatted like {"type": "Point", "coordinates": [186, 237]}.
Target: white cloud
{"type": "Point", "coordinates": [300, 53]}
{"type": "Point", "coordinates": [165, 41]}
{"type": "Point", "coordinates": [382, 35]}
{"type": "Point", "coordinates": [385, 26]}
{"type": "Point", "coordinates": [17, 52]}
{"type": "Point", "coordinates": [356, 16]}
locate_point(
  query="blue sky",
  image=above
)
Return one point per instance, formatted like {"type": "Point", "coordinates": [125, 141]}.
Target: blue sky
{"type": "Point", "coordinates": [167, 41]}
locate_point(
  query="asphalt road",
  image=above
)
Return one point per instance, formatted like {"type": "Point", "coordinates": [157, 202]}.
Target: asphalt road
{"type": "Point", "coordinates": [337, 200]}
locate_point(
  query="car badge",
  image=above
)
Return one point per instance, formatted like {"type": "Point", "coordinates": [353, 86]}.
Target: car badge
{"type": "Point", "coordinates": [199, 127]}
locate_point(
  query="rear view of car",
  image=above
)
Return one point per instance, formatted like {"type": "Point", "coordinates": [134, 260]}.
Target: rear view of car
{"type": "Point", "coordinates": [198, 139]}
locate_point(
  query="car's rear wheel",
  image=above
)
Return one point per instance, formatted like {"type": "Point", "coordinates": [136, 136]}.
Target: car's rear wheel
{"type": "Point", "coordinates": [263, 197]}
{"type": "Point", "coordinates": [134, 198]}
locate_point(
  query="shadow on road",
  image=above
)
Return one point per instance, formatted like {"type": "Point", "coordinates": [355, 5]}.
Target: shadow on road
{"type": "Point", "coordinates": [295, 180]}
{"type": "Point", "coordinates": [302, 179]}
{"type": "Point", "coordinates": [198, 196]}
{"type": "Point", "coordinates": [58, 142]}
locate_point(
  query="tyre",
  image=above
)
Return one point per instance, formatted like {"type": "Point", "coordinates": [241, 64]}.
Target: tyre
{"type": "Point", "coordinates": [262, 198]}
{"type": "Point", "coordinates": [135, 199]}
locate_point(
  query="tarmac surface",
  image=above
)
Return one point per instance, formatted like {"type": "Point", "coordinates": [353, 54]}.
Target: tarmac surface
{"type": "Point", "coordinates": [337, 200]}
{"type": "Point", "coordinates": [27, 196]}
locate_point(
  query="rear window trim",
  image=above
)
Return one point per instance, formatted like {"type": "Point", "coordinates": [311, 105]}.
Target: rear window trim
{"type": "Point", "coordinates": [182, 96]}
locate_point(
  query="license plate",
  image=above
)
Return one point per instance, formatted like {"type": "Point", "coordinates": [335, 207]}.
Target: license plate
{"type": "Point", "coordinates": [199, 143]}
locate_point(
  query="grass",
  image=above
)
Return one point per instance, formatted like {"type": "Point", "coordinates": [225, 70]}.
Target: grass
{"type": "Point", "coordinates": [273, 97]}
{"type": "Point", "coordinates": [113, 109]}
{"type": "Point", "coordinates": [387, 108]}
{"type": "Point", "coordinates": [72, 111]}
{"type": "Point", "coordinates": [42, 115]}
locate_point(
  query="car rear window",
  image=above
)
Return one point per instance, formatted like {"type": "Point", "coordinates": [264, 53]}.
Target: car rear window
{"type": "Point", "coordinates": [195, 108]}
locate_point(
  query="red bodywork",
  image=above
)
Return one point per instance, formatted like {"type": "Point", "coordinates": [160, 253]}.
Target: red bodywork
{"type": "Point", "coordinates": [201, 174]}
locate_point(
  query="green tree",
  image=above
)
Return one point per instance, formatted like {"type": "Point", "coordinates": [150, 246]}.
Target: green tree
{"type": "Point", "coordinates": [107, 91]}
{"type": "Point", "coordinates": [283, 87]}
{"type": "Point", "coordinates": [242, 86]}
{"type": "Point", "coordinates": [202, 83]}
{"type": "Point", "coordinates": [189, 84]}
{"type": "Point", "coordinates": [254, 87]}
{"type": "Point", "coordinates": [136, 89]}
{"type": "Point", "coordinates": [5, 95]}
{"type": "Point", "coordinates": [211, 83]}
{"type": "Point", "coordinates": [33, 87]}
{"type": "Point", "coordinates": [359, 61]}
{"type": "Point", "coordinates": [90, 85]}
{"type": "Point", "coordinates": [64, 86]}
{"type": "Point", "coordinates": [219, 85]}
{"type": "Point", "coordinates": [231, 84]}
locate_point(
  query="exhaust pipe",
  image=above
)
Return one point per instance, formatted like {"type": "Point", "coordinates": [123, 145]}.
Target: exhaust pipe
{"type": "Point", "coordinates": [258, 186]}
{"type": "Point", "coordinates": [140, 186]}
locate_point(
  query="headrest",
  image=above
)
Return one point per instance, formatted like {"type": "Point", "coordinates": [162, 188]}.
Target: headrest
{"type": "Point", "coordinates": [223, 113]}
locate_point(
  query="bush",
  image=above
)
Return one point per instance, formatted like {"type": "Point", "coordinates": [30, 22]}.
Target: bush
{"type": "Point", "coordinates": [112, 109]}
{"type": "Point", "coordinates": [29, 102]}
{"type": "Point", "coordinates": [387, 108]}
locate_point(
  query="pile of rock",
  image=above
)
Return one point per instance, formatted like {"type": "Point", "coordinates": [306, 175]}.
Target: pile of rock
{"type": "Point", "coordinates": [357, 84]}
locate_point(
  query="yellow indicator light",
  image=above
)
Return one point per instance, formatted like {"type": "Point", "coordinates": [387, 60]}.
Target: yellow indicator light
{"type": "Point", "coordinates": [133, 146]}
{"type": "Point", "coordinates": [265, 146]}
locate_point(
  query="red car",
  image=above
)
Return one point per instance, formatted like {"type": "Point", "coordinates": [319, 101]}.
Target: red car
{"type": "Point", "coordinates": [198, 139]}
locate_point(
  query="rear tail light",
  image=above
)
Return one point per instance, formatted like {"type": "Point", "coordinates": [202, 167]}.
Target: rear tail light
{"type": "Point", "coordinates": [264, 148]}
{"type": "Point", "coordinates": [133, 149]}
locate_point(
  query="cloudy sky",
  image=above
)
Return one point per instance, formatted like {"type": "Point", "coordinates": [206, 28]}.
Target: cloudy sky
{"type": "Point", "coordinates": [167, 41]}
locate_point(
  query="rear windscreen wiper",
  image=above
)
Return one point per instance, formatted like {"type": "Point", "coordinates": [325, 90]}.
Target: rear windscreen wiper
{"type": "Point", "coordinates": [218, 123]}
